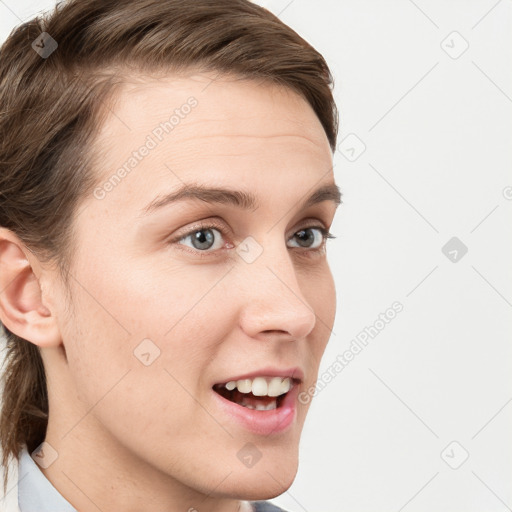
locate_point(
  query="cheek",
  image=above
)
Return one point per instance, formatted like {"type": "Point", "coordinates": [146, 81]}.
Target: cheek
{"type": "Point", "coordinates": [320, 293]}
{"type": "Point", "coordinates": [162, 333]}
{"type": "Point", "coordinates": [153, 395]}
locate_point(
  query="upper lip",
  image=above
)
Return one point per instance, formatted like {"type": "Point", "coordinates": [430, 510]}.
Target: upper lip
{"type": "Point", "coordinates": [294, 373]}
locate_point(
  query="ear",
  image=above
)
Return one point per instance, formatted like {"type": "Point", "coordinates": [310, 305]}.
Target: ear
{"type": "Point", "coordinates": [21, 307]}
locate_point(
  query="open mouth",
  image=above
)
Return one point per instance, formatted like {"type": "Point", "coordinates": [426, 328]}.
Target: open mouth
{"type": "Point", "coordinates": [261, 393]}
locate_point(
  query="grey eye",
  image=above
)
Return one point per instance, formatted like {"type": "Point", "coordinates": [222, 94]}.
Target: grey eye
{"type": "Point", "coordinates": [307, 238]}
{"type": "Point", "coordinates": [203, 239]}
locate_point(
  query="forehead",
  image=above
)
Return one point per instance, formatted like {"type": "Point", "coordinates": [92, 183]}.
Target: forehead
{"type": "Point", "coordinates": [226, 105]}
{"type": "Point", "coordinates": [203, 127]}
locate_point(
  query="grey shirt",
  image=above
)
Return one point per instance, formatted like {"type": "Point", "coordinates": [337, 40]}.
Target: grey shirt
{"type": "Point", "coordinates": [37, 494]}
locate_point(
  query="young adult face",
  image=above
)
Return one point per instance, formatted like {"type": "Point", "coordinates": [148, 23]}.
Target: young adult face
{"type": "Point", "coordinates": [137, 424]}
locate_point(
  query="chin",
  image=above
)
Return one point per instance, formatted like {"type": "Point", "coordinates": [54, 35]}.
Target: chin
{"type": "Point", "coordinates": [264, 482]}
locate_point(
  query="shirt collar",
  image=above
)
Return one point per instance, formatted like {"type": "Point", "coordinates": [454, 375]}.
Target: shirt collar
{"type": "Point", "coordinates": [35, 491]}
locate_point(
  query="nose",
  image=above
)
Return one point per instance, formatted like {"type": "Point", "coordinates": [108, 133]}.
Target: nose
{"type": "Point", "coordinates": [273, 300]}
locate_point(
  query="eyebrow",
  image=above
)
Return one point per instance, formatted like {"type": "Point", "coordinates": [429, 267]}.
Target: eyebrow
{"type": "Point", "coordinates": [238, 198]}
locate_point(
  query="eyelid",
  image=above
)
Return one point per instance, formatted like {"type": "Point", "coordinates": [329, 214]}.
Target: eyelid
{"type": "Point", "coordinates": [221, 227]}
{"type": "Point", "coordinates": [202, 224]}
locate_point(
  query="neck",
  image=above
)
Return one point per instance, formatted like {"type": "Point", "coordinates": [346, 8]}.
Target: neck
{"type": "Point", "coordinates": [90, 477]}
{"type": "Point", "coordinates": [94, 470]}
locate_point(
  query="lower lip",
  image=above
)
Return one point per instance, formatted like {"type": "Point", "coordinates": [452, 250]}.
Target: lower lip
{"type": "Point", "coordinates": [275, 421]}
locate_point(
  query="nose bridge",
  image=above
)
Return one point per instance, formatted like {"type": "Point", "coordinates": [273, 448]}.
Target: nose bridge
{"type": "Point", "coordinates": [274, 299]}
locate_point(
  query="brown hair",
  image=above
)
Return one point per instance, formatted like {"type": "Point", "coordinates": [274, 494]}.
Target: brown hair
{"type": "Point", "coordinates": [51, 103]}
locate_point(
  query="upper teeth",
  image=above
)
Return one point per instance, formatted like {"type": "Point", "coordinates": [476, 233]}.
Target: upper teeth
{"type": "Point", "coordinates": [261, 386]}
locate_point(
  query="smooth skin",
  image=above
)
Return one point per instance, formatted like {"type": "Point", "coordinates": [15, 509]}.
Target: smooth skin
{"type": "Point", "coordinates": [133, 437]}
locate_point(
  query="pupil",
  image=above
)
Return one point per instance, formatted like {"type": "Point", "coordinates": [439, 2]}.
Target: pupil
{"type": "Point", "coordinates": [309, 236]}
{"type": "Point", "coordinates": [205, 241]}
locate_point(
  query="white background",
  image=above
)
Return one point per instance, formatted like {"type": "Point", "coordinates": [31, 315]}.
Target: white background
{"type": "Point", "coordinates": [434, 386]}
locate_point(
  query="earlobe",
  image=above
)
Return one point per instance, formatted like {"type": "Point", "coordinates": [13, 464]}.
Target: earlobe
{"type": "Point", "coordinates": [21, 307]}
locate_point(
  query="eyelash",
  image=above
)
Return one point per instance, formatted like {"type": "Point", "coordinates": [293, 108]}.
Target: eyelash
{"type": "Point", "coordinates": [326, 234]}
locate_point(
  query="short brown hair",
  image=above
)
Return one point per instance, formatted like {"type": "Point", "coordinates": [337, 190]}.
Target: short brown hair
{"type": "Point", "coordinates": [52, 104]}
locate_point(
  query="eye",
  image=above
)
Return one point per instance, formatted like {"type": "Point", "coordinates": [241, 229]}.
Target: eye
{"type": "Point", "coordinates": [205, 239]}
{"type": "Point", "coordinates": [312, 237]}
